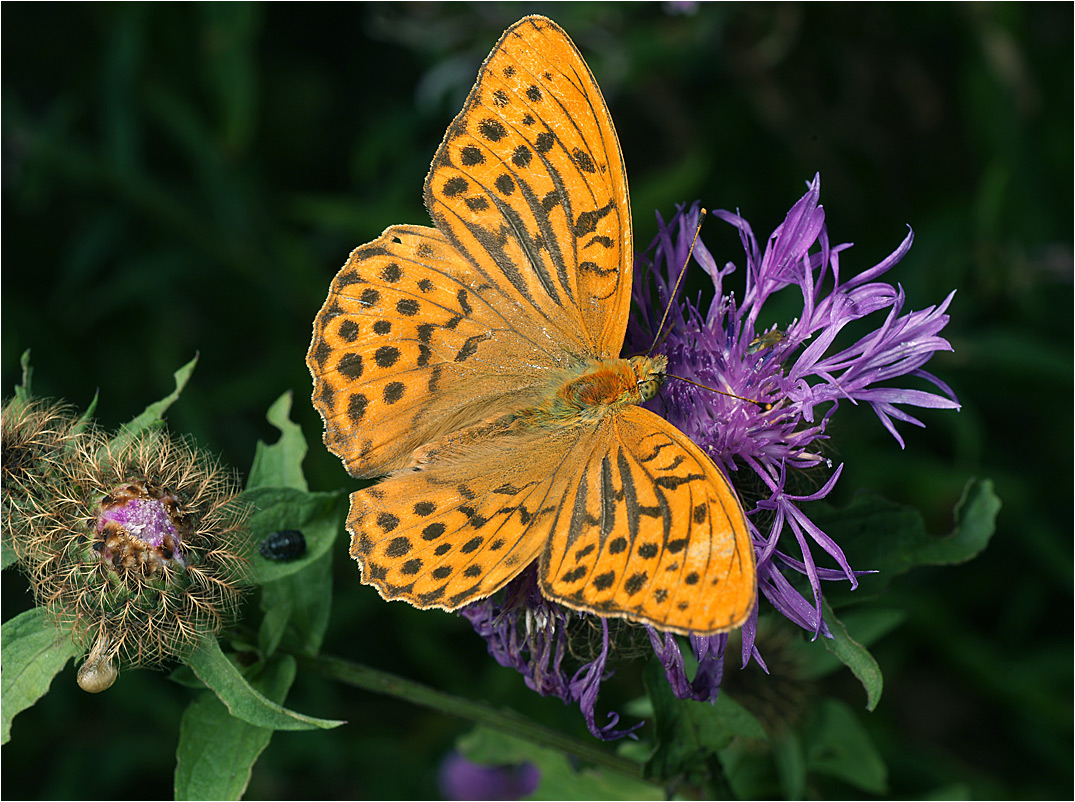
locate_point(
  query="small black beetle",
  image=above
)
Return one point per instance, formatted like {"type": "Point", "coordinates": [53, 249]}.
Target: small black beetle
{"type": "Point", "coordinates": [283, 546]}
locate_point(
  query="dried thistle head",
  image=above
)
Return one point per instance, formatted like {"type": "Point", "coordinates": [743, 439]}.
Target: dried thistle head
{"type": "Point", "coordinates": [138, 551]}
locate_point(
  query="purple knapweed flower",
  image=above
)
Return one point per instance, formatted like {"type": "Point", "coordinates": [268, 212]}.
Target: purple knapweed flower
{"type": "Point", "coordinates": [793, 381]}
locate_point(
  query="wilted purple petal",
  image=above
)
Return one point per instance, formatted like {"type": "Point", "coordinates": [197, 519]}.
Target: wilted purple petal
{"type": "Point", "coordinates": [584, 687]}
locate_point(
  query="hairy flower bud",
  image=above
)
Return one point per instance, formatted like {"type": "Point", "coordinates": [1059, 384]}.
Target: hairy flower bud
{"type": "Point", "coordinates": [35, 438]}
{"type": "Point", "coordinates": [133, 545]}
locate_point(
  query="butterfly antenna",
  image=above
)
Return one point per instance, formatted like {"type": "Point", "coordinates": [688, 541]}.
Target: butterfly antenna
{"type": "Point", "coordinates": [658, 337]}
{"type": "Point", "coordinates": [765, 405]}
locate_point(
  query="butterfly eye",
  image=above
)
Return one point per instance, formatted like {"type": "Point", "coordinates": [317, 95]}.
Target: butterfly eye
{"type": "Point", "coordinates": [650, 373]}
{"type": "Point", "coordinates": [649, 387]}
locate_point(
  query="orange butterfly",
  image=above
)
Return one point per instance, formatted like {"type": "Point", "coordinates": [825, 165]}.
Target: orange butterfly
{"type": "Point", "coordinates": [476, 364]}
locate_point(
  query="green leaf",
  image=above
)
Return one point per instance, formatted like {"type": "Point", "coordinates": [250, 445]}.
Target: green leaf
{"type": "Point", "coordinates": [319, 516]}
{"type": "Point", "coordinates": [217, 751]}
{"type": "Point", "coordinates": [22, 391]}
{"type": "Point", "coordinates": [7, 555]}
{"type": "Point", "coordinates": [34, 652]}
{"type": "Point", "coordinates": [853, 655]}
{"type": "Point", "coordinates": [689, 732]}
{"type": "Point", "coordinates": [280, 465]}
{"type": "Point", "coordinates": [245, 703]}
{"type": "Point", "coordinates": [839, 746]}
{"type": "Point", "coordinates": [559, 779]}
{"type": "Point", "coordinates": [878, 535]}
{"type": "Point", "coordinates": [976, 516]}
{"type": "Point", "coordinates": [750, 773]}
{"type": "Point", "coordinates": [297, 609]}
{"type": "Point", "coordinates": [866, 624]}
{"type": "Point", "coordinates": [277, 615]}
{"type": "Point", "coordinates": [297, 594]}
{"type": "Point", "coordinates": [790, 764]}
{"type": "Point", "coordinates": [153, 415]}
{"type": "Point", "coordinates": [86, 418]}
{"type": "Point", "coordinates": [183, 675]}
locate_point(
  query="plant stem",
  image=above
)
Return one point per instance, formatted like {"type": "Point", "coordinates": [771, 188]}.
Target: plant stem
{"type": "Point", "coordinates": [507, 721]}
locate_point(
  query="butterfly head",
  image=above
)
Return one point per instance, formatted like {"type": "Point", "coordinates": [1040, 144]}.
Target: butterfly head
{"type": "Point", "coordinates": [649, 371]}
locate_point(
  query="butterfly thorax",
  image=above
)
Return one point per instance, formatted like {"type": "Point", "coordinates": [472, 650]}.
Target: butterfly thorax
{"type": "Point", "coordinates": [599, 388]}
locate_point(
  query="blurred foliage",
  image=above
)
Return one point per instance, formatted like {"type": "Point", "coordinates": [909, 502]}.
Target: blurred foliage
{"type": "Point", "coordinates": [182, 178]}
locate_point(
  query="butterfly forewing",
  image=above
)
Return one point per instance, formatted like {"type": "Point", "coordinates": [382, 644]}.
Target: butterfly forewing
{"type": "Point", "coordinates": [656, 533]}
{"type": "Point", "coordinates": [529, 185]}
{"type": "Point", "coordinates": [406, 348]}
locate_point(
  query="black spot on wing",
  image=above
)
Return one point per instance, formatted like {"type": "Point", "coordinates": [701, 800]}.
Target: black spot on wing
{"type": "Point", "coordinates": [470, 156]}
{"type": "Point", "coordinates": [455, 186]}
{"type": "Point", "coordinates": [492, 129]}
{"type": "Point", "coordinates": [583, 160]}
{"type": "Point", "coordinates": [350, 365]}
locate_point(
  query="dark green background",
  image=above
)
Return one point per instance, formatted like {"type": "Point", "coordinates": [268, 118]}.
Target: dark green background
{"type": "Point", "coordinates": [189, 178]}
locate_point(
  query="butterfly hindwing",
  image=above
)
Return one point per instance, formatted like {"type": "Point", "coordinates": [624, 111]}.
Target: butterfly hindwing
{"type": "Point", "coordinates": [660, 537]}
{"type": "Point", "coordinates": [474, 511]}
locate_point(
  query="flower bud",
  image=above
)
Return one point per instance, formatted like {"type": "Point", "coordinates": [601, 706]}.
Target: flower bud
{"type": "Point", "coordinates": [134, 545]}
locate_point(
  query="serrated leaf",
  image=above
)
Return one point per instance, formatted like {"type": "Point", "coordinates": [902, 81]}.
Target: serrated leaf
{"type": "Point", "coordinates": [153, 415]}
{"type": "Point", "coordinates": [559, 779]}
{"type": "Point", "coordinates": [217, 751]}
{"type": "Point", "coordinates": [242, 700]}
{"type": "Point", "coordinates": [689, 732]}
{"type": "Point", "coordinates": [280, 464]}
{"type": "Point", "coordinates": [319, 516]}
{"type": "Point", "coordinates": [853, 655]}
{"type": "Point", "coordinates": [34, 653]}
{"type": "Point", "coordinates": [839, 746]}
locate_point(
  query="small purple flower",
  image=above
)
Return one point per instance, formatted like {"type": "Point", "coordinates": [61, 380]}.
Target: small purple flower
{"type": "Point", "coordinates": [458, 778]}
{"type": "Point", "coordinates": [796, 379]}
